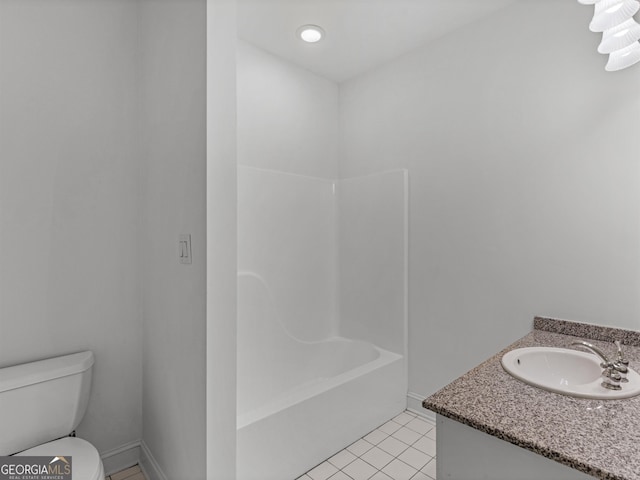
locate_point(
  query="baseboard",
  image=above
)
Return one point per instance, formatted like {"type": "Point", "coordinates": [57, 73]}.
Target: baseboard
{"type": "Point", "coordinates": [414, 404]}
{"type": "Point", "coordinates": [121, 457]}
{"type": "Point", "coordinates": [149, 464]}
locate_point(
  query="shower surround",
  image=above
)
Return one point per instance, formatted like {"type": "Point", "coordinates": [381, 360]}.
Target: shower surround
{"type": "Point", "coordinates": [321, 315]}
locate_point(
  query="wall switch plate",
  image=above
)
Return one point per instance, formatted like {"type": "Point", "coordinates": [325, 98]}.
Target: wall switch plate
{"type": "Point", "coordinates": [184, 248]}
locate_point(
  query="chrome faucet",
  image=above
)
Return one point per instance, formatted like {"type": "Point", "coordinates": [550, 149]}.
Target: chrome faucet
{"type": "Point", "coordinates": [613, 373]}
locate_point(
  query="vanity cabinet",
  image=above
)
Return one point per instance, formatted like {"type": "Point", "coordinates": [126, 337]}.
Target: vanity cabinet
{"type": "Point", "coordinates": [465, 453]}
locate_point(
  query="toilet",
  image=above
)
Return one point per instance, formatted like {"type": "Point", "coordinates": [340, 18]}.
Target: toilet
{"type": "Point", "coordinates": [41, 404]}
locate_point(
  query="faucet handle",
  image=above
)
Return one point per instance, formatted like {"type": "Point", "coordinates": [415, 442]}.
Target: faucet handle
{"type": "Point", "coordinates": [611, 378]}
{"type": "Point", "coordinates": [621, 358]}
{"type": "Point", "coordinates": [621, 364]}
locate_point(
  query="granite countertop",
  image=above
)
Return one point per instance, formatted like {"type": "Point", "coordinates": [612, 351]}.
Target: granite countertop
{"type": "Point", "coordinates": [598, 437]}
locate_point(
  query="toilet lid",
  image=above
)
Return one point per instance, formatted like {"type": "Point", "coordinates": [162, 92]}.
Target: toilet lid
{"type": "Point", "coordinates": [85, 461]}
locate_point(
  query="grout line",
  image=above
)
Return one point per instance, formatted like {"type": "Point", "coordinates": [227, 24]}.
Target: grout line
{"type": "Point", "coordinates": [394, 457]}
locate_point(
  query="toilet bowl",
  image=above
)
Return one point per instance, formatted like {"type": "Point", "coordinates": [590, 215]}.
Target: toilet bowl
{"type": "Point", "coordinates": [85, 459]}
{"type": "Point", "coordinates": [42, 404]}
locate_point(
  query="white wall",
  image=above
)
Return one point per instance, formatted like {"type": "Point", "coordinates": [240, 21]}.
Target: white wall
{"type": "Point", "coordinates": [523, 165]}
{"type": "Point", "coordinates": [173, 196]}
{"type": "Point", "coordinates": [68, 198]}
{"type": "Point", "coordinates": [221, 240]}
{"type": "Point", "coordinates": [102, 165]}
{"type": "Point", "coordinates": [287, 116]}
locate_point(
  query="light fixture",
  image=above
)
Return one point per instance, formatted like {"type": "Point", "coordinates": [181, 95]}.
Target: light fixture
{"type": "Point", "coordinates": [623, 58]}
{"type": "Point", "coordinates": [611, 13]}
{"type": "Point", "coordinates": [620, 32]}
{"type": "Point", "coordinates": [620, 36]}
{"type": "Point", "coordinates": [310, 33]}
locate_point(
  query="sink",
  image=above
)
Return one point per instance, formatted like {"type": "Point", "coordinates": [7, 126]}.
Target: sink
{"type": "Point", "coordinates": [565, 371]}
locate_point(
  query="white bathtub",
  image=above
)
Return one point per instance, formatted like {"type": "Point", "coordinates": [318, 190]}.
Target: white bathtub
{"type": "Point", "coordinates": [301, 402]}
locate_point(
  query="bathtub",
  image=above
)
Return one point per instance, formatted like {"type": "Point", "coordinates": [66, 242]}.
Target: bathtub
{"type": "Point", "coordinates": [299, 402]}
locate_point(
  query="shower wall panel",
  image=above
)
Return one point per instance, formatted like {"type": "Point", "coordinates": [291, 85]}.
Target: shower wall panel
{"type": "Point", "coordinates": [286, 237]}
{"type": "Point", "coordinates": [372, 250]}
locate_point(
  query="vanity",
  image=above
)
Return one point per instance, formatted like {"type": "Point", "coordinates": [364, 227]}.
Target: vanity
{"type": "Point", "coordinates": [493, 426]}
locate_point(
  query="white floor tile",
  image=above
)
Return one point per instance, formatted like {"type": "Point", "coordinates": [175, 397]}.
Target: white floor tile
{"type": "Point", "coordinates": [381, 476]}
{"type": "Point", "coordinates": [430, 469]}
{"type": "Point", "coordinates": [376, 436]}
{"type": "Point", "coordinates": [431, 434]}
{"type": "Point", "coordinates": [417, 476]}
{"type": "Point", "coordinates": [415, 458]}
{"type": "Point", "coordinates": [403, 418]}
{"type": "Point", "coordinates": [131, 473]}
{"type": "Point", "coordinates": [401, 449]}
{"type": "Point", "coordinates": [359, 470]}
{"type": "Point", "coordinates": [126, 473]}
{"type": "Point", "coordinates": [426, 445]}
{"type": "Point", "coordinates": [322, 471]}
{"type": "Point", "coordinates": [420, 426]}
{"type": "Point", "coordinates": [342, 459]}
{"type": "Point", "coordinates": [393, 446]}
{"type": "Point", "coordinates": [389, 427]}
{"type": "Point", "coordinates": [399, 470]}
{"type": "Point", "coordinates": [359, 447]}
{"type": "Point", "coordinates": [407, 436]}
{"type": "Point", "coordinates": [376, 457]}
{"type": "Point", "coordinates": [340, 476]}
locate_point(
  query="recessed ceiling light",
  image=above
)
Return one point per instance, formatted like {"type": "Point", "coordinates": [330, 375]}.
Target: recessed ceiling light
{"type": "Point", "coordinates": [310, 33]}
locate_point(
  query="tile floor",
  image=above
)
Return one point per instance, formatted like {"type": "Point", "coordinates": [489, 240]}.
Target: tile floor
{"type": "Point", "coordinates": [133, 473]}
{"type": "Point", "coordinates": [404, 448]}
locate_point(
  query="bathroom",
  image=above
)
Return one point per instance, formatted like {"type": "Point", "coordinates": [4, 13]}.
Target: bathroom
{"type": "Point", "coordinates": [521, 157]}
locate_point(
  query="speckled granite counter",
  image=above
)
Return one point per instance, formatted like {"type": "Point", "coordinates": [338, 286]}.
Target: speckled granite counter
{"type": "Point", "coordinates": [597, 437]}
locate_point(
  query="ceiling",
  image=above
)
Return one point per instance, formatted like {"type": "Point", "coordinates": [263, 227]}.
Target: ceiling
{"type": "Point", "coordinates": [360, 34]}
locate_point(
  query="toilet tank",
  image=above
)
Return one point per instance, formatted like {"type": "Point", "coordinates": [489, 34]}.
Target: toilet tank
{"type": "Point", "coordinates": [42, 401]}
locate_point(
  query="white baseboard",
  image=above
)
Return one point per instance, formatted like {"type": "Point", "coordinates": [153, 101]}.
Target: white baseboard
{"type": "Point", "coordinates": [149, 464]}
{"type": "Point", "coordinates": [121, 457]}
{"type": "Point", "coordinates": [414, 404]}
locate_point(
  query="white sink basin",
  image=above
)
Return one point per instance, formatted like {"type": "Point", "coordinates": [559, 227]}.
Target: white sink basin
{"type": "Point", "coordinates": [569, 372]}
